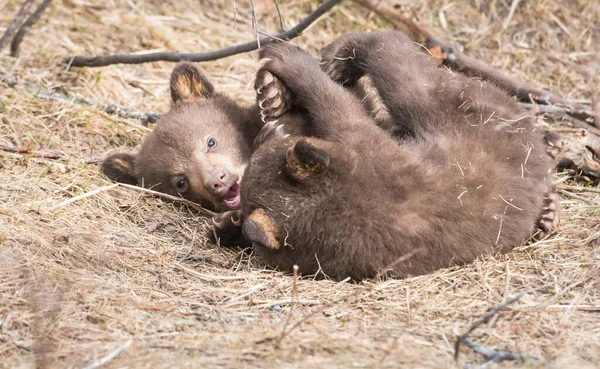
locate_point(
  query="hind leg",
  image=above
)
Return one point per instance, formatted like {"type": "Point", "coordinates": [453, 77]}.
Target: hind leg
{"type": "Point", "coordinates": [417, 93]}
{"type": "Point", "coordinates": [549, 219]}
{"type": "Point", "coordinates": [401, 73]}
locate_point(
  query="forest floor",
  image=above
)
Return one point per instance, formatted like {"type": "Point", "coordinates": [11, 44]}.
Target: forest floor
{"type": "Point", "coordinates": [118, 269]}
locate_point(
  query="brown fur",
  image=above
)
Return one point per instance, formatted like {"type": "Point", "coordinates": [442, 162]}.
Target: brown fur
{"type": "Point", "coordinates": [467, 179]}
{"type": "Point", "coordinates": [177, 149]}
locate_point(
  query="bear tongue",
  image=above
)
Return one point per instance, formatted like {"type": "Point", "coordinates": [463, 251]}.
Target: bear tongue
{"type": "Point", "coordinates": [232, 198]}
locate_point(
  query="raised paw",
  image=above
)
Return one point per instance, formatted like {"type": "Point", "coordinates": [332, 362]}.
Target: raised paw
{"type": "Point", "coordinates": [341, 59]}
{"type": "Point", "coordinates": [273, 98]}
{"type": "Point", "coordinates": [226, 230]}
{"type": "Point", "coordinates": [549, 218]}
{"type": "Point", "coordinates": [289, 74]}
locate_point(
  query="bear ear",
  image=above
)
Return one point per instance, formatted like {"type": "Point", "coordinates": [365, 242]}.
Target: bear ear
{"type": "Point", "coordinates": [188, 83]}
{"type": "Point", "coordinates": [120, 168]}
{"type": "Point", "coordinates": [304, 161]}
{"type": "Point", "coordinates": [259, 228]}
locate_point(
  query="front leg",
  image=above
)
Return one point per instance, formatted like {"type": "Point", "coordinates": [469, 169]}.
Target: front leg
{"type": "Point", "coordinates": [226, 230]}
{"type": "Point", "coordinates": [273, 98]}
{"type": "Point", "coordinates": [331, 109]}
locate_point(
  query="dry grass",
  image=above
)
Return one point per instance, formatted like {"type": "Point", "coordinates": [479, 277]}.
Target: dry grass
{"type": "Point", "coordinates": [79, 280]}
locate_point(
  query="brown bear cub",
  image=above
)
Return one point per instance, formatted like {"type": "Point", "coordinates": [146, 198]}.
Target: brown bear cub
{"type": "Point", "coordinates": [200, 148]}
{"type": "Point", "coordinates": [469, 177]}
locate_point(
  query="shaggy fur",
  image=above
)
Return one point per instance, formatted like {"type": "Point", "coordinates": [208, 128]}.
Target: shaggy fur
{"type": "Point", "coordinates": [467, 179]}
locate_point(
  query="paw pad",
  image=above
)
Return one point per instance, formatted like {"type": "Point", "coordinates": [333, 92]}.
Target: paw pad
{"type": "Point", "coordinates": [272, 96]}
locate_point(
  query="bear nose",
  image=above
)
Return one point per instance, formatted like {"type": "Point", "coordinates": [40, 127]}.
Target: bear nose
{"type": "Point", "coordinates": [219, 179]}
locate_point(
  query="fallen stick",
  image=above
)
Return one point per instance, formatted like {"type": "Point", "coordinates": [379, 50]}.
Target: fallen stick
{"type": "Point", "coordinates": [83, 196]}
{"type": "Point", "coordinates": [448, 55]}
{"type": "Point", "coordinates": [484, 319]}
{"type": "Point", "coordinates": [15, 24]}
{"type": "Point", "coordinates": [107, 108]}
{"type": "Point", "coordinates": [495, 356]}
{"type": "Point", "coordinates": [47, 94]}
{"type": "Point", "coordinates": [33, 18]}
{"type": "Point", "coordinates": [181, 200]}
{"type": "Point", "coordinates": [268, 304]}
{"type": "Point", "coordinates": [100, 61]}
{"type": "Point", "coordinates": [580, 188]}
{"type": "Point", "coordinates": [577, 197]}
{"type": "Point", "coordinates": [44, 154]}
{"type": "Point", "coordinates": [568, 113]}
{"type": "Point", "coordinates": [110, 356]}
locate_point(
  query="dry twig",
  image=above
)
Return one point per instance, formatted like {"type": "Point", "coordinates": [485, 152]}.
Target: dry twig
{"type": "Point", "coordinates": [83, 196]}
{"type": "Point", "coordinates": [44, 154]}
{"type": "Point", "coordinates": [576, 197]}
{"type": "Point", "coordinates": [100, 61]}
{"type": "Point", "coordinates": [580, 118]}
{"type": "Point", "coordinates": [33, 18]}
{"type": "Point", "coordinates": [47, 94]}
{"type": "Point", "coordinates": [180, 200]}
{"type": "Point", "coordinates": [580, 188]}
{"type": "Point", "coordinates": [255, 23]}
{"type": "Point", "coordinates": [284, 331]}
{"type": "Point", "coordinates": [495, 356]}
{"type": "Point", "coordinates": [492, 355]}
{"type": "Point", "coordinates": [15, 24]}
{"type": "Point", "coordinates": [110, 356]}
{"type": "Point", "coordinates": [282, 27]}
{"type": "Point", "coordinates": [484, 319]}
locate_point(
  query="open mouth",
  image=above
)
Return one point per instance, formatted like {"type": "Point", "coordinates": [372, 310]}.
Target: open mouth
{"type": "Point", "coordinates": [232, 198]}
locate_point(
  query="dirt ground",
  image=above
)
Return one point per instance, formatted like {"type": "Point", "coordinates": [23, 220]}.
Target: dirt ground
{"type": "Point", "coordinates": [120, 271]}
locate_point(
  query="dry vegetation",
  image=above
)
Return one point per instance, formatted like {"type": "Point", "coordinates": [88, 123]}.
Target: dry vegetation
{"type": "Point", "coordinates": [80, 279]}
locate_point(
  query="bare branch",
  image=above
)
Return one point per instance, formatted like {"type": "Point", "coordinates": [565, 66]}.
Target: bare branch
{"type": "Point", "coordinates": [33, 18]}
{"type": "Point", "coordinates": [495, 356]}
{"type": "Point", "coordinates": [100, 61]}
{"type": "Point", "coordinates": [113, 354]}
{"type": "Point", "coordinates": [176, 199]}
{"type": "Point", "coordinates": [279, 15]}
{"type": "Point", "coordinates": [15, 24]}
{"type": "Point", "coordinates": [44, 154]}
{"type": "Point", "coordinates": [566, 112]}
{"type": "Point", "coordinates": [112, 109]}
{"type": "Point", "coordinates": [255, 23]}
{"type": "Point", "coordinates": [235, 13]}
{"type": "Point", "coordinates": [484, 319]}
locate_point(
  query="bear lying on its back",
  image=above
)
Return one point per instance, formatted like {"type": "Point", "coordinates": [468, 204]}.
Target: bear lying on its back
{"type": "Point", "coordinates": [468, 179]}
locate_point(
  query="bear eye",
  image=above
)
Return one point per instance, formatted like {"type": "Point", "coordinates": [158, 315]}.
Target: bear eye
{"type": "Point", "coordinates": [212, 143]}
{"type": "Point", "coordinates": [181, 184]}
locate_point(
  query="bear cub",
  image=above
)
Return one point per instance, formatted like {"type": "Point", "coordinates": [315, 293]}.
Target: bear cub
{"type": "Point", "coordinates": [199, 149]}
{"type": "Point", "coordinates": [468, 176]}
